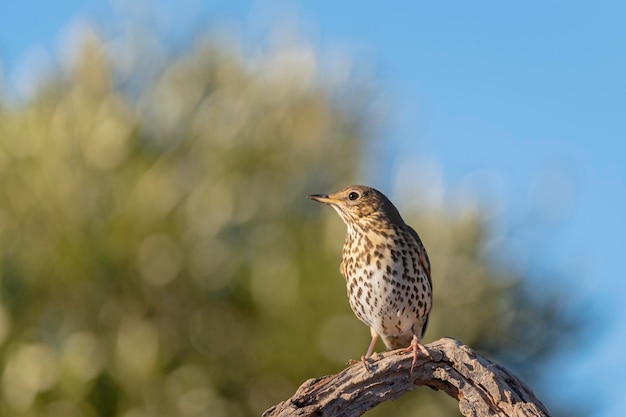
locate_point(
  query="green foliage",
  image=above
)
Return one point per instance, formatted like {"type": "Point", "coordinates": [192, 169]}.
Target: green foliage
{"type": "Point", "coordinates": [159, 257]}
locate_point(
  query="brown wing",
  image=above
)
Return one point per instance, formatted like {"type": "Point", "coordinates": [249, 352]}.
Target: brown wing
{"type": "Point", "coordinates": [342, 270]}
{"type": "Point", "coordinates": [425, 263]}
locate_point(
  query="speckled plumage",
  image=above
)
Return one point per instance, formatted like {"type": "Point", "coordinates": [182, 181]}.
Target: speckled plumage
{"type": "Point", "coordinates": [386, 268]}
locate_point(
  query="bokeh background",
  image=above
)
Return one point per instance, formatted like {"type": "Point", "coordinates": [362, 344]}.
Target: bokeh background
{"type": "Point", "coordinates": [157, 254]}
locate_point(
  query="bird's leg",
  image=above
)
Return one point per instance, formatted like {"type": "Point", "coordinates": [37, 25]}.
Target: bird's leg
{"type": "Point", "coordinates": [370, 349]}
{"type": "Point", "coordinates": [415, 347]}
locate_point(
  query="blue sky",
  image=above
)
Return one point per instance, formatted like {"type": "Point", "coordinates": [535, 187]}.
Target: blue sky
{"type": "Point", "coordinates": [524, 104]}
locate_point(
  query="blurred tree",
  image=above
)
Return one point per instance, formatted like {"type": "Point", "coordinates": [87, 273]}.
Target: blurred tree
{"type": "Point", "coordinates": [158, 255]}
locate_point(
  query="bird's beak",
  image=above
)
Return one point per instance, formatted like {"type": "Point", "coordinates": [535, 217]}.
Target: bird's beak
{"type": "Point", "coordinates": [322, 198]}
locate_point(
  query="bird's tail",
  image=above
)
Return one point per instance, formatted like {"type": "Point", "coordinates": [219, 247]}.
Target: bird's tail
{"type": "Point", "coordinates": [400, 341]}
{"type": "Point", "coordinates": [397, 341]}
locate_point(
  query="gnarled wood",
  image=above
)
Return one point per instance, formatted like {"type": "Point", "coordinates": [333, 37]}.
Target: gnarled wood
{"type": "Point", "coordinates": [483, 388]}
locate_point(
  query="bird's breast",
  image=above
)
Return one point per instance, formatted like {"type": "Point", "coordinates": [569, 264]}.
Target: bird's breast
{"type": "Point", "coordinates": [387, 287]}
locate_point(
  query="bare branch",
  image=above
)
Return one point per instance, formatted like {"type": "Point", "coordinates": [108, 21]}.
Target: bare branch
{"type": "Point", "coordinates": [483, 388]}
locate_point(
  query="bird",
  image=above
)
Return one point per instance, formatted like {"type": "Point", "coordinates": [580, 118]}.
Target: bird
{"type": "Point", "coordinates": [386, 268]}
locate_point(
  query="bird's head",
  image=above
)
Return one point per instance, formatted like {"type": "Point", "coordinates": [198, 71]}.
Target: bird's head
{"type": "Point", "coordinates": [360, 205]}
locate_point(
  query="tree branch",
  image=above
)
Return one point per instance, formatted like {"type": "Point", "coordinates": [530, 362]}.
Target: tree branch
{"type": "Point", "coordinates": [483, 388]}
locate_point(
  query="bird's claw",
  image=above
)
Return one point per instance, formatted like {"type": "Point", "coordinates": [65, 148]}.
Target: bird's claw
{"type": "Point", "coordinates": [363, 361]}
{"type": "Point", "coordinates": [415, 347]}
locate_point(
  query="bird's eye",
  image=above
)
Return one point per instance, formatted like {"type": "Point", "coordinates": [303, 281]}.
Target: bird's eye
{"type": "Point", "coordinates": [353, 195]}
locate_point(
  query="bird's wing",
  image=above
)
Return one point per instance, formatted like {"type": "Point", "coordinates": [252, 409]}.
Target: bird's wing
{"type": "Point", "coordinates": [424, 261]}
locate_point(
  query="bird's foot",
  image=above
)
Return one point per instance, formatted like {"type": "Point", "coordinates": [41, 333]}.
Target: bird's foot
{"type": "Point", "coordinates": [415, 347]}
{"type": "Point", "coordinates": [363, 360]}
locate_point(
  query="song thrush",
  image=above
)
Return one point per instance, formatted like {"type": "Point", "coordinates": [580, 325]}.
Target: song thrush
{"type": "Point", "coordinates": [386, 268]}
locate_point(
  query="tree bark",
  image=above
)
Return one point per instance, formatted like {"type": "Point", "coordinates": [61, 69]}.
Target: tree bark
{"type": "Point", "coordinates": [482, 388]}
